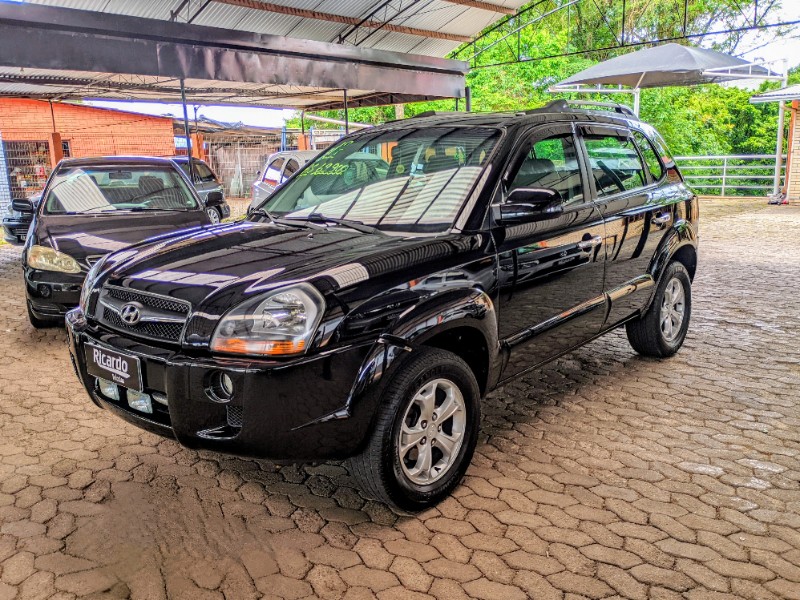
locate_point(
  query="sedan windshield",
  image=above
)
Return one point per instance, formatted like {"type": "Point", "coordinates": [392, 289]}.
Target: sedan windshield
{"type": "Point", "coordinates": [118, 188]}
{"type": "Point", "coordinates": [405, 180]}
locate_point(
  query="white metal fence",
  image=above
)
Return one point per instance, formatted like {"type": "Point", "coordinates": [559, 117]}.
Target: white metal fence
{"type": "Point", "coordinates": [731, 175]}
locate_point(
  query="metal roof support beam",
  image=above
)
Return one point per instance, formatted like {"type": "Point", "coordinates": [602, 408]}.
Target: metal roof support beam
{"type": "Point", "coordinates": [355, 21]}
{"type": "Point", "coordinates": [503, 10]}
{"type": "Point", "coordinates": [123, 45]}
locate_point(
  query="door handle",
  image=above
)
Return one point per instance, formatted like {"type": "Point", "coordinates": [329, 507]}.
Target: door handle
{"type": "Point", "coordinates": [661, 219]}
{"type": "Point", "coordinates": [590, 243]}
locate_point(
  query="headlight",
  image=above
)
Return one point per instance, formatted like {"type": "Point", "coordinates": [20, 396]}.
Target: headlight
{"type": "Point", "coordinates": [88, 283]}
{"type": "Point", "coordinates": [279, 324]}
{"type": "Point", "coordinates": [47, 259]}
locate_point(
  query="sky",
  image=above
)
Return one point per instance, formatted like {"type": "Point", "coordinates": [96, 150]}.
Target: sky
{"type": "Point", "coordinates": [750, 49]}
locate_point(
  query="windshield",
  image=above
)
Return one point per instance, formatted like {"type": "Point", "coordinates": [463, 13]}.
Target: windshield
{"type": "Point", "coordinates": [406, 180]}
{"type": "Point", "coordinates": [118, 188]}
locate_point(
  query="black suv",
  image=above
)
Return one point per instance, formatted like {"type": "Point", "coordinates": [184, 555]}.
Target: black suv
{"type": "Point", "coordinates": [363, 313]}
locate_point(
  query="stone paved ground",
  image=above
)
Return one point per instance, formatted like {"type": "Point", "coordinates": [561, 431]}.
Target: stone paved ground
{"type": "Point", "coordinates": [604, 474]}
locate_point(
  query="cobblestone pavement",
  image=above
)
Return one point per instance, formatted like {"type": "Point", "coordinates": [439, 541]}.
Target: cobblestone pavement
{"type": "Point", "coordinates": [604, 474]}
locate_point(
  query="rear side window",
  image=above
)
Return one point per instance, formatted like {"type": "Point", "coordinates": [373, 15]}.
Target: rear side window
{"type": "Point", "coordinates": [272, 173]}
{"type": "Point", "coordinates": [649, 155]}
{"type": "Point", "coordinates": [291, 169]}
{"type": "Point", "coordinates": [203, 173]}
{"type": "Point", "coordinates": [615, 164]}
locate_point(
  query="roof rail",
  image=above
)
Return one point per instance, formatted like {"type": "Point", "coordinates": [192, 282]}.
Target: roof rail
{"type": "Point", "coordinates": [567, 105]}
{"type": "Point", "coordinates": [620, 108]}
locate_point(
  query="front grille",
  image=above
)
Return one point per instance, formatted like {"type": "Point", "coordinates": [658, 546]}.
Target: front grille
{"type": "Point", "coordinates": [170, 332]}
{"type": "Point", "coordinates": [177, 311]}
{"type": "Point", "coordinates": [159, 302]}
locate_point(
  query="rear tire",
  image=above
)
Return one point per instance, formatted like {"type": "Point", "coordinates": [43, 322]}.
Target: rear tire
{"type": "Point", "coordinates": [661, 330]}
{"type": "Point", "coordinates": [415, 456]}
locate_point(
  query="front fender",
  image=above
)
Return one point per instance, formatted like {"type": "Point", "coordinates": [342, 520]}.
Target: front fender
{"type": "Point", "coordinates": [468, 307]}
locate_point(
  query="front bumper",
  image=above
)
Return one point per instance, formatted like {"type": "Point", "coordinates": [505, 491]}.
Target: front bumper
{"type": "Point", "coordinates": [296, 410]}
{"type": "Point", "coordinates": [51, 294]}
{"type": "Point", "coordinates": [15, 232]}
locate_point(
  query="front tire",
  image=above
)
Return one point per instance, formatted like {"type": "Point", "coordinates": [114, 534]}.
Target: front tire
{"type": "Point", "coordinates": [214, 215]}
{"type": "Point", "coordinates": [661, 330]}
{"type": "Point", "coordinates": [425, 432]}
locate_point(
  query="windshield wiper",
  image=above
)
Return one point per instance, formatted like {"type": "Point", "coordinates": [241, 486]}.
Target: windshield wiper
{"type": "Point", "coordinates": [302, 224]}
{"type": "Point", "coordinates": [320, 218]}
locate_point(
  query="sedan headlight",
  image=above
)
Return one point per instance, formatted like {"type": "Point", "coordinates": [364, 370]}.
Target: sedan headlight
{"type": "Point", "coordinates": [47, 259]}
{"type": "Point", "coordinates": [281, 323]}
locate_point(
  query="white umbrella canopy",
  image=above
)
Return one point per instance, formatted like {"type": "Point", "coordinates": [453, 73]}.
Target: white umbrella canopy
{"type": "Point", "coordinates": [668, 65]}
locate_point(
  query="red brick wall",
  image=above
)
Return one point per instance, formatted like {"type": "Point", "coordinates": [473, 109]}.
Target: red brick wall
{"type": "Point", "coordinates": [90, 131]}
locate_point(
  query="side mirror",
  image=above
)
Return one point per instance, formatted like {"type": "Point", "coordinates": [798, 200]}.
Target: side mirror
{"type": "Point", "coordinates": [23, 205]}
{"type": "Point", "coordinates": [214, 198]}
{"type": "Point", "coordinates": [527, 205]}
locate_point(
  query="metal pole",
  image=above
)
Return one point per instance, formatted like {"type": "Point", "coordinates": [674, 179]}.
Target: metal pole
{"type": "Point", "coordinates": [776, 188]}
{"type": "Point", "coordinates": [187, 131]}
{"type": "Point", "coordinates": [468, 98]}
{"type": "Point", "coordinates": [346, 115]}
{"type": "Point", "coordinates": [637, 94]}
{"type": "Point", "coordinates": [724, 175]}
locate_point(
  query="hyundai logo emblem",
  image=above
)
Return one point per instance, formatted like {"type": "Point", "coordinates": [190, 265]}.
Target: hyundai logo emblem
{"type": "Point", "coordinates": [131, 313]}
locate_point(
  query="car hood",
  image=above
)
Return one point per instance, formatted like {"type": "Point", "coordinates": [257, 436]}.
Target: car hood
{"type": "Point", "coordinates": [217, 267]}
{"type": "Point", "coordinates": [84, 236]}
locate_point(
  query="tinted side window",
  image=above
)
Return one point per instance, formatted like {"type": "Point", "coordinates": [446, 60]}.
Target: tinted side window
{"type": "Point", "coordinates": [650, 156]}
{"type": "Point", "coordinates": [203, 173]}
{"type": "Point", "coordinates": [291, 169]}
{"type": "Point", "coordinates": [552, 163]}
{"type": "Point", "coordinates": [615, 163]}
{"type": "Point", "coordinates": [272, 173]}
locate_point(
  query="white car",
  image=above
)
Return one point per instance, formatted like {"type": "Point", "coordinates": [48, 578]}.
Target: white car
{"type": "Point", "coordinates": [278, 168]}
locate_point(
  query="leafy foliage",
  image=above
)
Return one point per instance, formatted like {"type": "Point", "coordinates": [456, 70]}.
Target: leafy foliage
{"type": "Point", "coordinates": [708, 119]}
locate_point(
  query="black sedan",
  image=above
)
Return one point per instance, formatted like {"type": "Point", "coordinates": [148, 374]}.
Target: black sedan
{"type": "Point", "coordinates": [93, 206]}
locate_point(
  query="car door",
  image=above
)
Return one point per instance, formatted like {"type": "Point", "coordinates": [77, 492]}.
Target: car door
{"type": "Point", "coordinates": [631, 204]}
{"type": "Point", "coordinates": [269, 179]}
{"type": "Point", "coordinates": [551, 270]}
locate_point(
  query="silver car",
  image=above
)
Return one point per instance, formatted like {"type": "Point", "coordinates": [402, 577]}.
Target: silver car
{"type": "Point", "coordinates": [278, 168]}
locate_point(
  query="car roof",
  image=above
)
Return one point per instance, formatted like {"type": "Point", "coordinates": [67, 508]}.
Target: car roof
{"type": "Point", "coordinates": [297, 153]}
{"type": "Point", "coordinates": [557, 110]}
{"type": "Point", "coordinates": [184, 159]}
{"type": "Point", "coordinates": [118, 160]}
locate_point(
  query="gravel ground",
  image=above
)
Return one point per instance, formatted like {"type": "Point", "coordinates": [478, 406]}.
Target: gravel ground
{"type": "Point", "coordinates": [602, 475]}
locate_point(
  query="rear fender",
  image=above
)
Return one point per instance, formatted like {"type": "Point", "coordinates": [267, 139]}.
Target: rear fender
{"type": "Point", "coordinates": [681, 234]}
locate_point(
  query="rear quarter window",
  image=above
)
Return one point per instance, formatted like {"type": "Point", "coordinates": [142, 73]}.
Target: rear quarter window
{"type": "Point", "coordinates": [650, 156]}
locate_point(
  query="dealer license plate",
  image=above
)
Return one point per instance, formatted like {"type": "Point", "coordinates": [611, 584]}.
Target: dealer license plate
{"type": "Point", "coordinates": [122, 369]}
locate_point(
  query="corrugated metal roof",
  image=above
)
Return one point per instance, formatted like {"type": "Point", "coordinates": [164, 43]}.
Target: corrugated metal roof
{"type": "Point", "coordinates": [788, 93]}
{"type": "Point", "coordinates": [430, 28]}
{"type": "Point", "coordinates": [438, 16]}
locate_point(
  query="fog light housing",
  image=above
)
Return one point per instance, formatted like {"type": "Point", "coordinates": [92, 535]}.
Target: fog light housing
{"type": "Point", "coordinates": [44, 290]}
{"type": "Point", "coordinates": [221, 389]}
{"type": "Point", "coordinates": [140, 401]}
{"type": "Point", "coordinates": [109, 389]}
